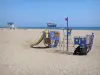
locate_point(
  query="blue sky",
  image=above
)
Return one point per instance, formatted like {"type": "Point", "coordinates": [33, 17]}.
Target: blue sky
{"type": "Point", "coordinates": [38, 12]}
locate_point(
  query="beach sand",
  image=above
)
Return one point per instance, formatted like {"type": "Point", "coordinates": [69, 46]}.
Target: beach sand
{"type": "Point", "coordinates": [17, 58]}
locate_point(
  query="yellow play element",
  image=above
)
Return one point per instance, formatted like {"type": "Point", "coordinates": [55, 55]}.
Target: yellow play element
{"type": "Point", "coordinates": [47, 33]}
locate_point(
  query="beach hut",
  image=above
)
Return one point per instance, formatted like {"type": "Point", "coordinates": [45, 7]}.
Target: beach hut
{"type": "Point", "coordinates": [10, 25]}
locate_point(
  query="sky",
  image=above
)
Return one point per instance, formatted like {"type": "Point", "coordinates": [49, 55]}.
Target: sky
{"type": "Point", "coordinates": [33, 13]}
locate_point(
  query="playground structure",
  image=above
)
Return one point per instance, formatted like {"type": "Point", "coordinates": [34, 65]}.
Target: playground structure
{"type": "Point", "coordinates": [51, 38]}
{"type": "Point", "coordinates": [84, 43]}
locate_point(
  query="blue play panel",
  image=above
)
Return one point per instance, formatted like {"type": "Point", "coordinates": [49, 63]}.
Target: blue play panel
{"type": "Point", "coordinates": [53, 38]}
{"type": "Point", "coordinates": [81, 41]}
{"type": "Point", "coordinates": [52, 34]}
{"type": "Point", "coordinates": [76, 40]}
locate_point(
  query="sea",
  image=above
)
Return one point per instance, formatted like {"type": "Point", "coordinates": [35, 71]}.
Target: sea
{"type": "Point", "coordinates": [60, 28]}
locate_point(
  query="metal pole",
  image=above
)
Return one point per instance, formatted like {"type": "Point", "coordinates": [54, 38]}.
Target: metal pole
{"type": "Point", "coordinates": [67, 34]}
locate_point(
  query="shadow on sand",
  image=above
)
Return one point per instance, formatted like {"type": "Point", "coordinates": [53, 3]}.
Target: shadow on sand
{"type": "Point", "coordinates": [64, 52]}
{"type": "Point", "coordinates": [56, 51]}
{"type": "Point", "coordinates": [61, 52]}
{"type": "Point", "coordinates": [53, 51]}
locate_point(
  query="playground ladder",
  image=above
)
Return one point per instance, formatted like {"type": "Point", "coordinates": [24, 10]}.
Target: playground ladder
{"type": "Point", "coordinates": [70, 43]}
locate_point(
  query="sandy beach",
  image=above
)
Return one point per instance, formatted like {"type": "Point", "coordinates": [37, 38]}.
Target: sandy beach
{"type": "Point", "coordinates": [17, 58]}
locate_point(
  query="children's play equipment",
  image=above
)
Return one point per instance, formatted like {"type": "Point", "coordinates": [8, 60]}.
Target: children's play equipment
{"type": "Point", "coordinates": [51, 38]}
{"type": "Point", "coordinates": [64, 42]}
{"type": "Point", "coordinates": [85, 44]}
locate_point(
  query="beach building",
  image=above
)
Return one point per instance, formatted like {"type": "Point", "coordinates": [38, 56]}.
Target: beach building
{"type": "Point", "coordinates": [10, 25]}
{"type": "Point", "coordinates": [51, 26]}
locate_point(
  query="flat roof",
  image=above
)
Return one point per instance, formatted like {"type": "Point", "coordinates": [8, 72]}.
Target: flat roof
{"type": "Point", "coordinates": [51, 24]}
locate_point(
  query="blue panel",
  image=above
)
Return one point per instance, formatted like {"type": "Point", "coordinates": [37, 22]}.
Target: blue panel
{"type": "Point", "coordinates": [56, 38]}
{"type": "Point", "coordinates": [83, 41]}
{"type": "Point", "coordinates": [52, 34]}
{"type": "Point", "coordinates": [52, 37]}
{"type": "Point", "coordinates": [76, 41]}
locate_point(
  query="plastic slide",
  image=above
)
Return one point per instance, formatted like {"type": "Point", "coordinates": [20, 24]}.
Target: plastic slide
{"type": "Point", "coordinates": [41, 38]}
